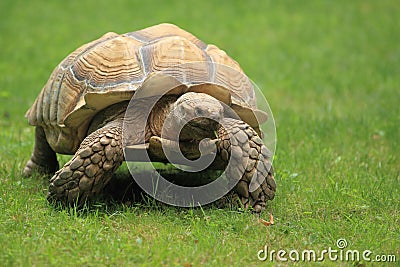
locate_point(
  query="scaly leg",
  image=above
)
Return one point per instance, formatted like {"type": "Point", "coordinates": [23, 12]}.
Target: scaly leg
{"type": "Point", "coordinates": [250, 160]}
{"type": "Point", "coordinates": [43, 159]}
{"type": "Point", "coordinates": [91, 168]}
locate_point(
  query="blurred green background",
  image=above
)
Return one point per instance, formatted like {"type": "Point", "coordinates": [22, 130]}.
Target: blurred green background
{"type": "Point", "coordinates": [330, 71]}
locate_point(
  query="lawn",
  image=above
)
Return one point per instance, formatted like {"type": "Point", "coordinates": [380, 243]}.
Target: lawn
{"type": "Point", "coordinates": [330, 71]}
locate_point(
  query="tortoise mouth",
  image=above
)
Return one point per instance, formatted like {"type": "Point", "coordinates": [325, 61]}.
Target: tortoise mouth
{"type": "Point", "coordinates": [199, 128]}
{"type": "Point", "coordinates": [205, 124]}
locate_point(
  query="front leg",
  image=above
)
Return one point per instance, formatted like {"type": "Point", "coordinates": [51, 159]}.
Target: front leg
{"type": "Point", "coordinates": [249, 159]}
{"type": "Point", "coordinates": [91, 168]}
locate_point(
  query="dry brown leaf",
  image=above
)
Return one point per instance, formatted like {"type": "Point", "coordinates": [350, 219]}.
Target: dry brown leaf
{"type": "Point", "coordinates": [267, 223]}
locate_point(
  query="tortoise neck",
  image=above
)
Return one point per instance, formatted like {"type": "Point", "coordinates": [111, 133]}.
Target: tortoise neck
{"type": "Point", "coordinates": [160, 112]}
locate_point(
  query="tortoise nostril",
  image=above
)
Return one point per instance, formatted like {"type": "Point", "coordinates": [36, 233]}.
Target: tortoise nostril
{"type": "Point", "coordinates": [215, 116]}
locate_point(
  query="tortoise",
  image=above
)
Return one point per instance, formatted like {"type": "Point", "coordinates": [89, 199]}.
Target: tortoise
{"type": "Point", "coordinates": [83, 106]}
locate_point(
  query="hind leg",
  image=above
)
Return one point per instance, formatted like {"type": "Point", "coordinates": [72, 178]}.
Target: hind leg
{"type": "Point", "coordinates": [43, 159]}
{"type": "Point", "coordinates": [91, 168]}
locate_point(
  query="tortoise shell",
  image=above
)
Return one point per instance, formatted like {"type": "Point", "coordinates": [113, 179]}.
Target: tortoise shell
{"type": "Point", "coordinates": [112, 68]}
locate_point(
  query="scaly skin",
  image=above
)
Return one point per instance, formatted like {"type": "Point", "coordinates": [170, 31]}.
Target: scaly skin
{"type": "Point", "coordinates": [91, 168]}
{"type": "Point", "coordinates": [250, 160]}
{"type": "Point", "coordinates": [43, 159]}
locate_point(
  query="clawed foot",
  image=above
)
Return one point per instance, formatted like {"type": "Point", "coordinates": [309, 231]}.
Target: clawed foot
{"type": "Point", "coordinates": [86, 174]}
{"type": "Point", "coordinates": [249, 159]}
{"type": "Point", "coordinates": [43, 159]}
{"type": "Point", "coordinates": [258, 198]}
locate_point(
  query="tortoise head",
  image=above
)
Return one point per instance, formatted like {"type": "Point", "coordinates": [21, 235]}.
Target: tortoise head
{"type": "Point", "coordinates": [197, 114]}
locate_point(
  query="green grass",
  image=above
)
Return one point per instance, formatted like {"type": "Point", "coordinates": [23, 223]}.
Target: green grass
{"type": "Point", "coordinates": [331, 73]}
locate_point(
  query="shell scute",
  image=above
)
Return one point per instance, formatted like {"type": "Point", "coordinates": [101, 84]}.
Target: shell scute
{"type": "Point", "coordinates": [112, 68]}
